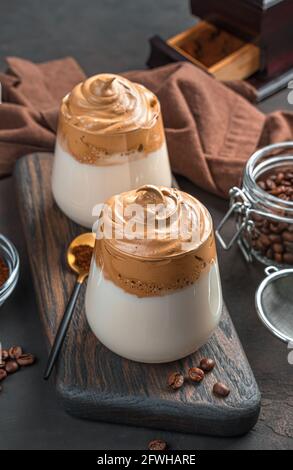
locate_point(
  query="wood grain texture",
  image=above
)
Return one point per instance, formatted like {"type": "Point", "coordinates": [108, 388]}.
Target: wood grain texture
{"type": "Point", "coordinates": [226, 57]}
{"type": "Point", "coordinates": [96, 384]}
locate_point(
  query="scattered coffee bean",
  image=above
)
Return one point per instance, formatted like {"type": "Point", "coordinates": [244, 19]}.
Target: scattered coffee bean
{"type": "Point", "coordinates": [207, 364]}
{"type": "Point", "coordinates": [195, 374]}
{"type": "Point", "coordinates": [11, 367]}
{"type": "Point", "coordinates": [157, 444]}
{"type": "Point", "coordinates": [14, 352]}
{"type": "Point", "coordinates": [175, 380]}
{"type": "Point", "coordinates": [12, 359]}
{"type": "Point", "coordinates": [3, 374]}
{"type": "Point", "coordinates": [221, 390]}
{"type": "Point", "coordinates": [5, 354]}
{"type": "Point", "coordinates": [25, 360]}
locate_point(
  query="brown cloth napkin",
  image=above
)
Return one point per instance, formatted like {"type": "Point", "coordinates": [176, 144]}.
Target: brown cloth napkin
{"type": "Point", "coordinates": [211, 129]}
{"type": "Point", "coordinates": [31, 97]}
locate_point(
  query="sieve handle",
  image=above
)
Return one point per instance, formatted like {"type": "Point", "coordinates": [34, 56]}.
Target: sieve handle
{"type": "Point", "coordinates": [270, 270]}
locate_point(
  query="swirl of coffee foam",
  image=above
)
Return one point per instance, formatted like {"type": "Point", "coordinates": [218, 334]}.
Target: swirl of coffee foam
{"type": "Point", "coordinates": [109, 104]}
{"type": "Point", "coordinates": [156, 222]}
{"type": "Point", "coordinates": [161, 259]}
{"type": "Point", "coordinates": [108, 120]}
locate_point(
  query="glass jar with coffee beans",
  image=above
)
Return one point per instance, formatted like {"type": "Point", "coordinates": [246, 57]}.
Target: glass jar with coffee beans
{"type": "Point", "coordinates": [263, 207]}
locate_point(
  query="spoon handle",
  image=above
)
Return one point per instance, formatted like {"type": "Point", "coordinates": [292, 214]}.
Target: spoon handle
{"type": "Point", "coordinates": [62, 330]}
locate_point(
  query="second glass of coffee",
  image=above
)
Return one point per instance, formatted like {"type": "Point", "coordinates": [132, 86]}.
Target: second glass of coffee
{"type": "Point", "coordinates": [110, 139]}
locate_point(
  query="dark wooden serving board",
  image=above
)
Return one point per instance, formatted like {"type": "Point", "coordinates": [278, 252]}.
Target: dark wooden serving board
{"type": "Point", "coordinates": [93, 382]}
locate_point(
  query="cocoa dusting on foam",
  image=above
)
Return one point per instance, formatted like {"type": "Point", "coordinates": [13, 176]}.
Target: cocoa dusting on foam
{"type": "Point", "coordinates": [161, 263]}
{"type": "Point", "coordinates": [108, 115]}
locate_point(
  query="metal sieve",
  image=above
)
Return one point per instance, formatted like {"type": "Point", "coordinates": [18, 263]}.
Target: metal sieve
{"type": "Point", "coordinates": [274, 302]}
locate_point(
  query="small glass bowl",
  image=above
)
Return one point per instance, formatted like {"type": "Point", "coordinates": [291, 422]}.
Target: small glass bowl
{"type": "Point", "coordinates": [10, 255]}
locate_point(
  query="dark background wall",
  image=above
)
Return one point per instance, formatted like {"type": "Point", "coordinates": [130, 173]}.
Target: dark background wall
{"type": "Point", "coordinates": [111, 35]}
{"type": "Point", "coordinates": [103, 35]}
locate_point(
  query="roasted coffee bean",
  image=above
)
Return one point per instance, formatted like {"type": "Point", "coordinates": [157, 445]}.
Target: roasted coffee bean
{"type": "Point", "coordinates": [288, 258]}
{"type": "Point", "coordinates": [284, 197]}
{"type": "Point", "coordinates": [266, 223]}
{"type": "Point", "coordinates": [278, 258]}
{"type": "Point", "coordinates": [207, 364]}
{"type": "Point", "coordinates": [275, 238]}
{"type": "Point", "coordinates": [257, 218]}
{"type": "Point", "coordinates": [286, 183]}
{"type": "Point", "coordinates": [288, 247]}
{"type": "Point", "coordinates": [157, 444]}
{"type": "Point", "coordinates": [283, 226]}
{"type": "Point", "coordinates": [3, 374]}
{"type": "Point", "coordinates": [278, 247]}
{"type": "Point", "coordinates": [274, 228]}
{"type": "Point", "coordinates": [278, 190]}
{"type": "Point", "coordinates": [11, 367]}
{"type": "Point", "coordinates": [14, 352]}
{"type": "Point", "coordinates": [25, 360]}
{"type": "Point", "coordinates": [260, 247]}
{"type": "Point", "coordinates": [264, 240]}
{"type": "Point", "coordinates": [279, 178]}
{"type": "Point", "coordinates": [175, 380]}
{"type": "Point", "coordinates": [270, 184]}
{"type": "Point", "coordinates": [221, 390]}
{"type": "Point", "coordinates": [277, 227]}
{"type": "Point", "coordinates": [287, 236]}
{"type": "Point", "coordinates": [262, 184]}
{"type": "Point", "coordinates": [5, 354]}
{"type": "Point", "coordinates": [265, 230]}
{"type": "Point", "coordinates": [195, 374]}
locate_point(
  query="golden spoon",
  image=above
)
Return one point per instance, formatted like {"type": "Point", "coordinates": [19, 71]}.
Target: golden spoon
{"type": "Point", "coordinates": [82, 271]}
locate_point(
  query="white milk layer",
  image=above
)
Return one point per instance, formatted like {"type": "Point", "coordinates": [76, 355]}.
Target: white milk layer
{"type": "Point", "coordinates": [154, 329]}
{"type": "Point", "coordinates": [78, 187]}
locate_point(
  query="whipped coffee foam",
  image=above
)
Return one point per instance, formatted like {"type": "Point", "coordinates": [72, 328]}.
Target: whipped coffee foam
{"type": "Point", "coordinates": [107, 114]}
{"type": "Point", "coordinates": [173, 247]}
{"type": "Point", "coordinates": [110, 103]}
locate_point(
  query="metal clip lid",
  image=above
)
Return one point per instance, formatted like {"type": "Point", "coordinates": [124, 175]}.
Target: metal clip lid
{"type": "Point", "coordinates": [239, 205]}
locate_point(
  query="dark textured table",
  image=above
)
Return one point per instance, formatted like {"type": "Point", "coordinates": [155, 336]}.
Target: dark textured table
{"type": "Point", "coordinates": [112, 35]}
